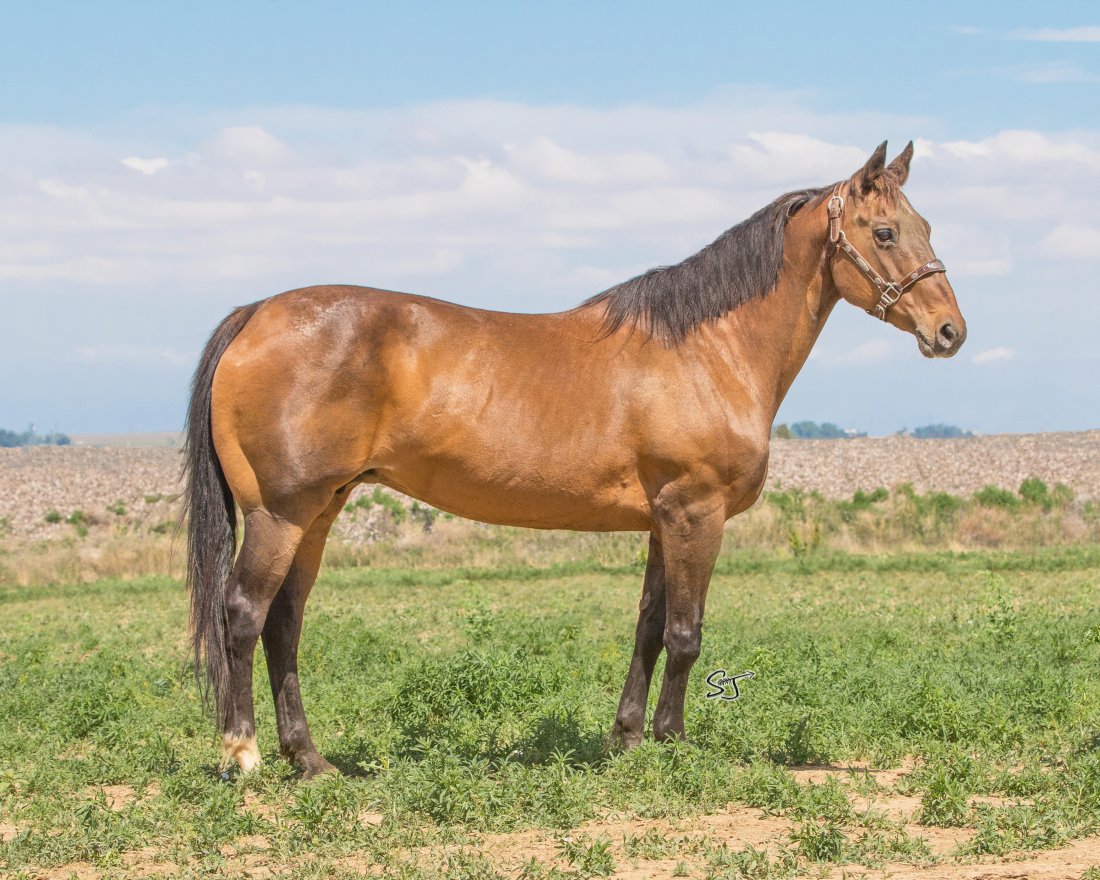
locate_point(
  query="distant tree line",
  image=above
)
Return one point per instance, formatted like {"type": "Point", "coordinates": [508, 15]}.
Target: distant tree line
{"type": "Point", "coordinates": [829, 431]}
{"type": "Point", "coordinates": [937, 432]}
{"type": "Point", "coordinates": [9, 439]}
{"type": "Point", "coordinates": [814, 431]}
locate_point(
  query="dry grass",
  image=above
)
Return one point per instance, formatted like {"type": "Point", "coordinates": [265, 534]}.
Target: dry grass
{"type": "Point", "coordinates": [78, 560]}
{"type": "Point", "coordinates": [77, 515]}
{"type": "Point", "coordinates": [394, 535]}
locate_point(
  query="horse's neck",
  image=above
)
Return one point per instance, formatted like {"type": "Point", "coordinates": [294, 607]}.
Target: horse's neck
{"type": "Point", "coordinates": [772, 336]}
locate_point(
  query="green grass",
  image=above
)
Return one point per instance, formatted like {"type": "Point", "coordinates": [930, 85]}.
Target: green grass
{"type": "Point", "coordinates": [459, 701]}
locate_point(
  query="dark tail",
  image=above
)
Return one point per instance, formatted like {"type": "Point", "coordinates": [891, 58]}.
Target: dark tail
{"type": "Point", "coordinates": [211, 519]}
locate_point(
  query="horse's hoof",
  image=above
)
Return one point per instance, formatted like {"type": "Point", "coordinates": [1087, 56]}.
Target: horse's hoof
{"type": "Point", "coordinates": [620, 740]}
{"type": "Point", "coordinates": [674, 737]}
{"type": "Point", "coordinates": [315, 765]}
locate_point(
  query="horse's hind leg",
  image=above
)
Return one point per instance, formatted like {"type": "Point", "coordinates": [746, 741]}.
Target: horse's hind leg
{"type": "Point", "coordinates": [648, 641]}
{"type": "Point", "coordinates": [269, 546]}
{"type": "Point", "coordinates": [280, 638]}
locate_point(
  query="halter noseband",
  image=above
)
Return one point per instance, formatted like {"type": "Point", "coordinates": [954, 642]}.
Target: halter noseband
{"type": "Point", "coordinates": [889, 291]}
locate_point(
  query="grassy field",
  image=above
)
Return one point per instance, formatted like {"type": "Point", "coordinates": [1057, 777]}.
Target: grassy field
{"type": "Point", "coordinates": [468, 710]}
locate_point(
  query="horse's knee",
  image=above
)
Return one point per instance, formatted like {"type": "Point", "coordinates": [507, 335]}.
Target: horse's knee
{"type": "Point", "coordinates": [683, 643]}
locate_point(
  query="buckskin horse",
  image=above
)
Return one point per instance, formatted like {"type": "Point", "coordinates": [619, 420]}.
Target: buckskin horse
{"type": "Point", "coordinates": [648, 407]}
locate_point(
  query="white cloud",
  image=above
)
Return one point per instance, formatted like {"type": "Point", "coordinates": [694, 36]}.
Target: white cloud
{"type": "Point", "coordinates": [132, 354]}
{"type": "Point", "coordinates": [1026, 146]}
{"type": "Point", "coordinates": [991, 355]}
{"type": "Point", "coordinates": [248, 144]}
{"type": "Point", "coordinates": [1053, 73]}
{"type": "Point", "coordinates": [771, 155]}
{"type": "Point", "coordinates": [976, 251]}
{"type": "Point", "coordinates": [543, 157]}
{"type": "Point", "coordinates": [980, 268]}
{"type": "Point", "coordinates": [58, 190]}
{"type": "Point", "coordinates": [871, 352]}
{"type": "Point", "coordinates": [439, 262]}
{"type": "Point", "coordinates": [146, 166]}
{"type": "Point", "coordinates": [1074, 241]}
{"type": "Point", "coordinates": [507, 205]}
{"type": "Point", "coordinates": [1079, 34]}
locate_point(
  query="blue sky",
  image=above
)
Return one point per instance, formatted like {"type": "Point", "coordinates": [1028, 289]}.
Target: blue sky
{"type": "Point", "coordinates": [161, 163]}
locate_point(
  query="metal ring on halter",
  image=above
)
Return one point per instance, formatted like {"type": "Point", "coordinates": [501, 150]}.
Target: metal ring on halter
{"type": "Point", "coordinates": [885, 301]}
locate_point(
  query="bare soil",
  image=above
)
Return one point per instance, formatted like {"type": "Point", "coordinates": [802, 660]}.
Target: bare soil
{"type": "Point", "coordinates": [735, 827]}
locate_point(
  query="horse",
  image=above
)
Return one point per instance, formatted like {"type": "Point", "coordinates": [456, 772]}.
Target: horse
{"type": "Point", "coordinates": [648, 408]}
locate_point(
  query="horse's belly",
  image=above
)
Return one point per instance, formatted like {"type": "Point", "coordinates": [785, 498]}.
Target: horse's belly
{"type": "Point", "coordinates": [497, 491]}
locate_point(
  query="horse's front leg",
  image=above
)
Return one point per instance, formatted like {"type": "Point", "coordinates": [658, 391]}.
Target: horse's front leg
{"type": "Point", "coordinates": [648, 641]}
{"type": "Point", "coordinates": [690, 533]}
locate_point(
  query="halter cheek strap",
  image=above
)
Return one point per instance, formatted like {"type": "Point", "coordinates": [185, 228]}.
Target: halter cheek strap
{"type": "Point", "coordinates": [889, 291]}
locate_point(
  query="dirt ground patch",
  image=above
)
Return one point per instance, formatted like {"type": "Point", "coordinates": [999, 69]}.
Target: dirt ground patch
{"type": "Point", "coordinates": [656, 849]}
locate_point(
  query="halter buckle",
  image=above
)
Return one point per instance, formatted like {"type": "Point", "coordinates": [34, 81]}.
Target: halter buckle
{"type": "Point", "coordinates": [836, 209]}
{"type": "Point", "coordinates": [885, 301]}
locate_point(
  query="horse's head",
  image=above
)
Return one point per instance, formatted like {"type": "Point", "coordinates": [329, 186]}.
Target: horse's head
{"type": "Point", "coordinates": [882, 260]}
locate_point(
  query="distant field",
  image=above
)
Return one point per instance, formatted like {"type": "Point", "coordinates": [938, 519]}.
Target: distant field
{"type": "Point", "coordinates": [131, 441]}
{"type": "Point", "coordinates": [913, 715]}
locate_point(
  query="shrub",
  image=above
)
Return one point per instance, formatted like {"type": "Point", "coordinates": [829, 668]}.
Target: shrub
{"type": "Point", "coordinates": [1061, 495]}
{"type": "Point", "coordinates": [995, 496]}
{"type": "Point", "coordinates": [791, 502]}
{"type": "Point", "coordinates": [423, 514]}
{"type": "Point", "coordinates": [820, 842]}
{"type": "Point", "coordinates": [384, 500]}
{"type": "Point", "coordinates": [863, 500]}
{"type": "Point", "coordinates": [1035, 492]}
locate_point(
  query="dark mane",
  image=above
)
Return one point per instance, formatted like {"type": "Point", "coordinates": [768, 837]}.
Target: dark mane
{"type": "Point", "coordinates": [741, 264]}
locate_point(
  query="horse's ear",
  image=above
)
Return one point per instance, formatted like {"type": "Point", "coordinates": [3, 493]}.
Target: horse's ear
{"type": "Point", "coordinates": [865, 178]}
{"type": "Point", "coordinates": [900, 166]}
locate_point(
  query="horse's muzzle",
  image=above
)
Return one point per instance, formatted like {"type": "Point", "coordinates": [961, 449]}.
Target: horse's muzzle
{"type": "Point", "coordinates": [948, 340]}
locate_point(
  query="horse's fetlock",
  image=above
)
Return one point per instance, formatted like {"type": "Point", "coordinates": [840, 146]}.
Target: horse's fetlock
{"type": "Point", "coordinates": [241, 749]}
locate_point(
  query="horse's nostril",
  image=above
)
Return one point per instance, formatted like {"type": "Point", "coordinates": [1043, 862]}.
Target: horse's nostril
{"type": "Point", "coordinates": [948, 333]}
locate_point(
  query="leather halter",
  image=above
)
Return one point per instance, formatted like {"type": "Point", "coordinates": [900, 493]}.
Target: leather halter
{"type": "Point", "coordinates": [889, 291]}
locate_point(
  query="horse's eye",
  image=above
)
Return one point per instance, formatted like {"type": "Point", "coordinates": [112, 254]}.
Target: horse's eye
{"type": "Point", "coordinates": [884, 234]}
